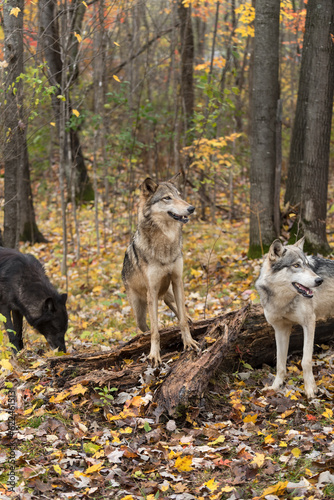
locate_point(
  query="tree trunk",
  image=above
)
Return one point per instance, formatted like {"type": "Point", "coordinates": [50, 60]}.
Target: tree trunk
{"type": "Point", "coordinates": [312, 128]}
{"type": "Point", "coordinates": [59, 60]}
{"type": "Point", "coordinates": [28, 230]}
{"type": "Point", "coordinates": [187, 64]}
{"type": "Point", "coordinates": [13, 120]}
{"type": "Point", "coordinates": [265, 94]}
{"type": "Point", "coordinates": [225, 341]}
{"type": "Point", "coordinates": [19, 214]}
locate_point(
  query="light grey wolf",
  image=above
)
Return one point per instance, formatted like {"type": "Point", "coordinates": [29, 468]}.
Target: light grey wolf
{"type": "Point", "coordinates": [25, 290]}
{"type": "Point", "coordinates": [295, 288]}
{"type": "Point", "coordinates": [153, 262]}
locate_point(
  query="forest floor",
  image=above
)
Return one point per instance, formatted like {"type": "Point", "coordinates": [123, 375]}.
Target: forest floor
{"type": "Point", "coordinates": [95, 442]}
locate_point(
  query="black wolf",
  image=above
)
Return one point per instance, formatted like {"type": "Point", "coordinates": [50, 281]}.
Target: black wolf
{"type": "Point", "coordinates": [153, 262]}
{"type": "Point", "coordinates": [25, 290]}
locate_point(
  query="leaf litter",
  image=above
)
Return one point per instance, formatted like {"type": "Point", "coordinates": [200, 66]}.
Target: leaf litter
{"type": "Point", "coordinates": [85, 442]}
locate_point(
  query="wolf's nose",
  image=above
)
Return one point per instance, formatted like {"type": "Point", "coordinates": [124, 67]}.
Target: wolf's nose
{"type": "Point", "coordinates": [191, 209]}
{"type": "Point", "coordinates": [318, 281]}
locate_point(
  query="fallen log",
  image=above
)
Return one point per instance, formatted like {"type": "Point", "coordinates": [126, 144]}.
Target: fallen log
{"type": "Point", "coordinates": [225, 341]}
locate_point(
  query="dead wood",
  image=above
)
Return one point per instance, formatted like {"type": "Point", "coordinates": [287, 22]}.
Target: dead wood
{"type": "Point", "coordinates": [225, 341]}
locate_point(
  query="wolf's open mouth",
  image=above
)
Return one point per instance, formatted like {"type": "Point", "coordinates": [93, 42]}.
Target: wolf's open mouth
{"type": "Point", "coordinates": [182, 218]}
{"type": "Point", "coordinates": [303, 290]}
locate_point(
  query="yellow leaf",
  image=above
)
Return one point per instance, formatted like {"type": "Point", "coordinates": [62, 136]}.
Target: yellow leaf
{"type": "Point", "coordinates": [116, 44]}
{"type": "Point", "coordinates": [15, 11]}
{"type": "Point", "coordinates": [77, 36]}
{"type": "Point", "coordinates": [210, 340]}
{"type": "Point", "coordinates": [250, 418]}
{"type": "Point", "coordinates": [6, 364]}
{"type": "Point", "coordinates": [328, 413]}
{"type": "Point", "coordinates": [52, 124]}
{"type": "Point", "coordinates": [75, 112]}
{"type": "Point", "coordinates": [127, 430]}
{"type": "Point", "coordinates": [127, 497]}
{"type": "Point", "coordinates": [60, 397]}
{"type": "Point", "coordinates": [184, 463]}
{"type": "Point", "coordinates": [258, 460]}
{"type": "Point", "coordinates": [212, 485]}
{"type": "Point", "coordinates": [278, 488]}
{"type": "Point", "coordinates": [115, 77]}
{"type": "Point", "coordinates": [269, 439]}
{"type": "Point", "coordinates": [57, 469]}
{"type": "Point", "coordinates": [226, 489]}
{"type": "Point", "coordinates": [94, 468]}
{"type": "Point", "coordinates": [85, 5]}
{"type": "Point", "coordinates": [219, 439]}
{"type": "Point", "coordinates": [77, 473]}
{"type": "Point", "coordinates": [78, 389]}
{"type": "Point", "coordinates": [283, 444]}
{"type": "Point", "coordinates": [30, 410]}
{"type": "Point", "coordinates": [196, 272]}
{"type": "Point", "coordinates": [296, 452]}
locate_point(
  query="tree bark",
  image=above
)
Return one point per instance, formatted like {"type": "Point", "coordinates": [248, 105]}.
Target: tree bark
{"type": "Point", "coordinates": [60, 60]}
{"type": "Point", "coordinates": [28, 229]}
{"type": "Point", "coordinates": [19, 214]}
{"type": "Point", "coordinates": [13, 120]}
{"type": "Point", "coordinates": [319, 109]}
{"type": "Point", "coordinates": [265, 94]}
{"type": "Point", "coordinates": [225, 341]}
{"type": "Point", "coordinates": [187, 63]}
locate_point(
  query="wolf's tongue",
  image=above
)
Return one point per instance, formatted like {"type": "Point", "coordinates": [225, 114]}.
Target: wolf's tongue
{"type": "Point", "coordinates": [306, 292]}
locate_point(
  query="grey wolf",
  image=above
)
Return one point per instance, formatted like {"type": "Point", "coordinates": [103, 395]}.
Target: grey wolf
{"type": "Point", "coordinates": [153, 262]}
{"type": "Point", "coordinates": [25, 291]}
{"type": "Point", "coordinates": [295, 288]}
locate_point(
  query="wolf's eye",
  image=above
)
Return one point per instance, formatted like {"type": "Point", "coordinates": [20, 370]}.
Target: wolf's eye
{"type": "Point", "coordinates": [296, 266]}
{"type": "Point", "coordinates": [167, 198]}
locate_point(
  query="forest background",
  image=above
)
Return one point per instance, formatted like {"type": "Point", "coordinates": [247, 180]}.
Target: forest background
{"type": "Point", "coordinates": [95, 97]}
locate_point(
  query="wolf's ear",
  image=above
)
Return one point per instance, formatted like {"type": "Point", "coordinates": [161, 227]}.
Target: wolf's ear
{"type": "Point", "coordinates": [300, 243]}
{"type": "Point", "coordinates": [148, 187]}
{"type": "Point", "coordinates": [176, 179]}
{"type": "Point", "coordinates": [63, 298]}
{"type": "Point", "coordinates": [276, 250]}
{"type": "Point", "coordinates": [49, 305]}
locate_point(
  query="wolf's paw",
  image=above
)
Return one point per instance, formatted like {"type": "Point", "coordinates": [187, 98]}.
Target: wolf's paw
{"type": "Point", "coordinates": [275, 386]}
{"type": "Point", "coordinates": [311, 391]}
{"type": "Point", "coordinates": [191, 344]}
{"type": "Point", "coordinates": [154, 359]}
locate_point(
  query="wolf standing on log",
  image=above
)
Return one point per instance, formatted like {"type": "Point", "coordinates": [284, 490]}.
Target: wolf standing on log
{"type": "Point", "coordinates": [26, 291]}
{"type": "Point", "coordinates": [153, 262]}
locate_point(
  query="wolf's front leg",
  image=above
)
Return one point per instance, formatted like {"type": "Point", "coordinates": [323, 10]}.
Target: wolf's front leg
{"type": "Point", "coordinates": [152, 301]}
{"type": "Point", "coordinates": [188, 341]}
{"type": "Point", "coordinates": [282, 336]}
{"type": "Point", "coordinates": [309, 382]}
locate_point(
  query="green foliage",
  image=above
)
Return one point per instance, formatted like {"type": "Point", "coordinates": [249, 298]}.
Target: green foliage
{"type": "Point", "coordinates": [104, 393]}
